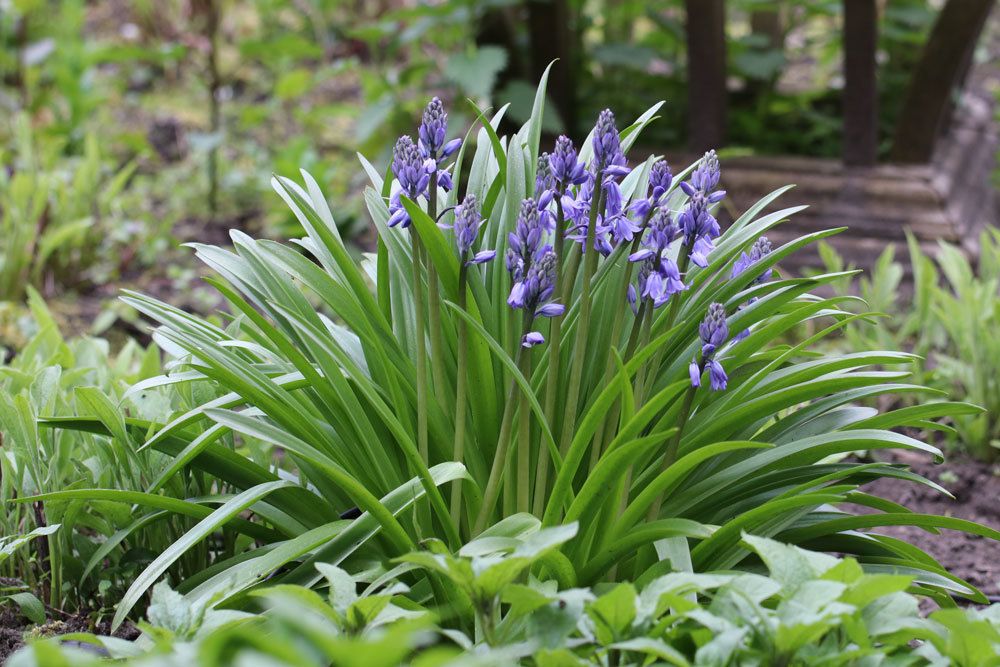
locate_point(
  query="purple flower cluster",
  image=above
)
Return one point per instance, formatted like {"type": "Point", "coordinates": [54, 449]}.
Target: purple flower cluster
{"type": "Point", "coordinates": [609, 160]}
{"type": "Point", "coordinates": [713, 331]}
{"type": "Point", "coordinates": [758, 251]}
{"type": "Point", "coordinates": [434, 130]}
{"type": "Point", "coordinates": [566, 168]}
{"type": "Point", "coordinates": [413, 173]}
{"type": "Point", "coordinates": [533, 266]}
{"type": "Point", "coordinates": [466, 228]}
{"type": "Point", "coordinates": [659, 277]}
{"type": "Point", "coordinates": [414, 164]}
{"type": "Point", "coordinates": [613, 226]}
{"type": "Point", "coordinates": [660, 179]}
{"type": "Point", "coordinates": [698, 225]}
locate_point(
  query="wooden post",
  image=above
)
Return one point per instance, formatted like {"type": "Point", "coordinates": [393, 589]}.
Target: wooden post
{"type": "Point", "coordinates": [550, 30]}
{"type": "Point", "coordinates": [706, 52]}
{"type": "Point", "coordinates": [942, 66]}
{"type": "Point", "coordinates": [860, 97]}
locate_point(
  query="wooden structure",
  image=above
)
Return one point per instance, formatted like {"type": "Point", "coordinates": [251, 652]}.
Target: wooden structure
{"type": "Point", "coordinates": [943, 67]}
{"type": "Point", "coordinates": [938, 185]}
{"type": "Point", "coordinates": [950, 199]}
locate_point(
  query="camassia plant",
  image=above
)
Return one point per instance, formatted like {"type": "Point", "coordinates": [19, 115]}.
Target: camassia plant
{"type": "Point", "coordinates": [560, 334]}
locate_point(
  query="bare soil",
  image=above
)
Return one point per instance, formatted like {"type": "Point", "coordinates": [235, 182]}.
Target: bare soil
{"type": "Point", "coordinates": [976, 489]}
{"type": "Point", "coordinates": [15, 629]}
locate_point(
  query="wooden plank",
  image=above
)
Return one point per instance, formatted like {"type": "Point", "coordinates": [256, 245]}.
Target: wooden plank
{"type": "Point", "coordinates": [860, 92]}
{"type": "Point", "coordinates": [706, 53]}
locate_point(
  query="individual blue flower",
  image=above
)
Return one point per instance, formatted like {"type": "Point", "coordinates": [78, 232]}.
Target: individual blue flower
{"type": "Point", "coordinates": [532, 338]}
{"type": "Point", "coordinates": [717, 375]}
{"type": "Point", "coordinates": [466, 228]}
{"type": "Point", "coordinates": [713, 331]}
{"type": "Point", "coordinates": [413, 173]}
{"type": "Point", "coordinates": [566, 168]}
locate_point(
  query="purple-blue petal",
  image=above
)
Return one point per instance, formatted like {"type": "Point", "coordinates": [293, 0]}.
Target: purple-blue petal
{"type": "Point", "coordinates": [695, 373]}
{"type": "Point", "coordinates": [532, 338]}
{"type": "Point", "coordinates": [482, 257]}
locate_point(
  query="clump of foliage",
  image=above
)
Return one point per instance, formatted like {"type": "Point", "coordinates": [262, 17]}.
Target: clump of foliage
{"type": "Point", "coordinates": [953, 302]}
{"type": "Point", "coordinates": [807, 609]}
{"type": "Point", "coordinates": [571, 338]}
{"type": "Point", "coordinates": [61, 217]}
{"type": "Point", "coordinates": [80, 556]}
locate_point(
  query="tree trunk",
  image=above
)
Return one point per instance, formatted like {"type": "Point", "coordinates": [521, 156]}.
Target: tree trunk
{"type": "Point", "coordinates": [706, 52]}
{"type": "Point", "coordinates": [860, 89]}
{"type": "Point", "coordinates": [942, 67]}
{"type": "Point", "coordinates": [550, 27]}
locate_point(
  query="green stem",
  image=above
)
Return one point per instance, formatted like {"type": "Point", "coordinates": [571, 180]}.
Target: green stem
{"type": "Point", "coordinates": [503, 443]}
{"type": "Point", "coordinates": [421, 349]}
{"type": "Point", "coordinates": [434, 303]}
{"type": "Point", "coordinates": [670, 455]}
{"type": "Point", "coordinates": [458, 452]}
{"type": "Point", "coordinates": [524, 446]}
{"type": "Point", "coordinates": [616, 331]}
{"type": "Point", "coordinates": [573, 389]}
{"type": "Point", "coordinates": [552, 381]}
{"type": "Point", "coordinates": [649, 370]}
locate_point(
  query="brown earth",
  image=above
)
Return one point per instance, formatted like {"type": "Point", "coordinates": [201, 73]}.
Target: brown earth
{"type": "Point", "coordinates": [976, 487]}
{"type": "Point", "coordinates": [15, 629]}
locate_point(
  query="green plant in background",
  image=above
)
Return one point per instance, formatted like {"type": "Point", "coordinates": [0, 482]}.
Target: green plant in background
{"type": "Point", "coordinates": [801, 608]}
{"type": "Point", "coordinates": [945, 323]}
{"type": "Point", "coordinates": [680, 423]}
{"type": "Point", "coordinates": [98, 547]}
{"type": "Point", "coordinates": [57, 213]}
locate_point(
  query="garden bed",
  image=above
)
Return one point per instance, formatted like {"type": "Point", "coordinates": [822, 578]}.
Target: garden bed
{"type": "Point", "coordinates": [15, 629]}
{"type": "Point", "coordinates": [976, 487]}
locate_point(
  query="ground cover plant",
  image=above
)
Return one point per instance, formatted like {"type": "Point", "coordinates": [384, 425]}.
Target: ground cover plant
{"type": "Point", "coordinates": [75, 559]}
{"type": "Point", "coordinates": [552, 354]}
{"type": "Point", "coordinates": [941, 322]}
{"type": "Point", "coordinates": [804, 608]}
